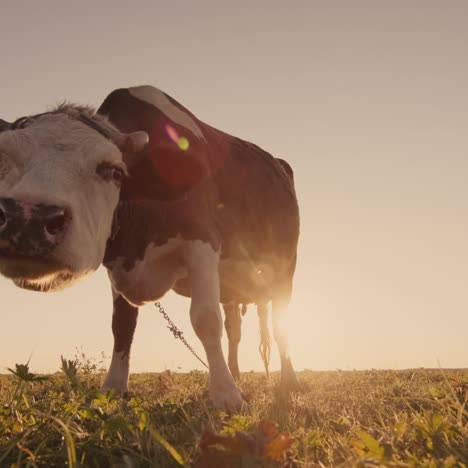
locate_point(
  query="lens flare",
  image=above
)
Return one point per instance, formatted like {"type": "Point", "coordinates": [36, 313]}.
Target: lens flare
{"type": "Point", "coordinates": [171, 133]}
{"type": "Point", "coordinates": [181, 141]}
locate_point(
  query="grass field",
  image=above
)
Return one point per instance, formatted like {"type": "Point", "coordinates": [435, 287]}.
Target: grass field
{"type": "Point", "coordinates": [340, 418]}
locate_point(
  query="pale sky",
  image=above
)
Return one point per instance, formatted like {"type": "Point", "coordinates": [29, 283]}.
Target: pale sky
{"type": "Point", "coordinates": [367, 100]}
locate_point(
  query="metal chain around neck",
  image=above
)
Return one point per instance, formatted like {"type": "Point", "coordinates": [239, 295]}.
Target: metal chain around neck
{"type": "Point", "coordinates": [178, 334]}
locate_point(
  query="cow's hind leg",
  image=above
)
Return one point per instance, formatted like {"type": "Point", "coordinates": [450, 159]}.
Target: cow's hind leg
{"type": "Point", "coordinates": [265, 341]}
{"type": "Point", "coordinates": [280, 304]}
{"type": "Point", "coordinates": [232, 323]}
{"type": "Point", "coordinates": [124, 319]}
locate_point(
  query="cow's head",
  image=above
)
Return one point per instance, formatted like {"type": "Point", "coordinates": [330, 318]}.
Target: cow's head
{"type": "Point", "coordinates": [60, 176]}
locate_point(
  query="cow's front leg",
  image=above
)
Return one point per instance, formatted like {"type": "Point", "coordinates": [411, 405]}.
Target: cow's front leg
{"type": "Point", "coordinates": [124, 319]}
{"type": "Point", "coordinates": [205, 315]}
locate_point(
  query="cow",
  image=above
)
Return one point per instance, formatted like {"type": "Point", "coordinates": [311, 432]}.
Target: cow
{"type": "Point", "coordinates": [162, 200]}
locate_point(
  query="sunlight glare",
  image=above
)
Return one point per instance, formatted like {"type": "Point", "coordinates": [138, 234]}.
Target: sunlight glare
{"type": "Point", "coordinates": [181, 141]}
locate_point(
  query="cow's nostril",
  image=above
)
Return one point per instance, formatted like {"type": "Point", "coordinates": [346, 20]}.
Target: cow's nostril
{"type": "Point", "coordinates": [3, 219]}
{"type": "Point", "coordinates": [56, 224]}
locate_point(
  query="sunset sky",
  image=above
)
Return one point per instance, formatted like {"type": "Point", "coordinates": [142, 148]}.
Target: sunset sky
{"type": "Point", "coordinates": [368, 101]}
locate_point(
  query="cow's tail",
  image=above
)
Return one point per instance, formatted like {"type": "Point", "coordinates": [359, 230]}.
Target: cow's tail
{"type": "Point", "coordinates": [265, 340]}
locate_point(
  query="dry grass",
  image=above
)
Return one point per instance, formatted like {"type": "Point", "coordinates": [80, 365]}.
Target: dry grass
{"type": "Point", "coordinates": [369, 418]}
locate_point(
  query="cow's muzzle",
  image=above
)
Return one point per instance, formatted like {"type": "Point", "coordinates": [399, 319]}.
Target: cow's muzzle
{"type": "Point", "coordinates": [31, 229]}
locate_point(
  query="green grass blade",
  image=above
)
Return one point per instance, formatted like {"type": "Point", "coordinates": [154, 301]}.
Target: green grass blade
{"type": "Point", "coordinates": [161, 440]}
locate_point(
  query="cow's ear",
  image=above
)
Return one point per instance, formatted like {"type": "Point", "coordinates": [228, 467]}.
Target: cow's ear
{"type": "Point", "coordinates": [132, 146]}
{"type": "Point", "coordinates": [133, 142]}
{"type": "Point", "coordinates": [4, 125]}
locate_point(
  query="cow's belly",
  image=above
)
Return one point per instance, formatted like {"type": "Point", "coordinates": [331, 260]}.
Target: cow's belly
{"type": "Point", "coordinates": [240, 280]}
{"type": "Point", "coordinates": [149, 278]}
{"type": "Point", "coordinates": [245, 280]}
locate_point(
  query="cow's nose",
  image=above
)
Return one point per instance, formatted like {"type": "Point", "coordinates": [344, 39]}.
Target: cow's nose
{"type": "Point", "coordinates": [55, 222]}
{"type": "Point", "coordinates": [32, 228]}
{"type": "Point", "coordinates": [3, 218]}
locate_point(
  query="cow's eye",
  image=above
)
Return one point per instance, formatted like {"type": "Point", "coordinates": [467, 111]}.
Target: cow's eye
{"type": "Point", "coordinates": [110, 172]}
{"type": "Point", "coordinates": [118, 175]}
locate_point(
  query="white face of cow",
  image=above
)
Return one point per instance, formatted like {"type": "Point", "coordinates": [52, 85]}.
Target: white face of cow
{"type": "Point", "coordinates": [59, 186]}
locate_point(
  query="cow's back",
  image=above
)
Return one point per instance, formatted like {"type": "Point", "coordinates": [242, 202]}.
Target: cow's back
{"type": "Point", "coordinates": [257, 205]}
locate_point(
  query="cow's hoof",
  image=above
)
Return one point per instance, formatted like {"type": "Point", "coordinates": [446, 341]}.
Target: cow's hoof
{"type": "Point", "coordinates": [227, 399]}
{"type": "Point", "coordinates": [122, 393]}
{"type": "Point", "coordinates": [289, 382]}
{"type": "Point", "coordinates": [117, 388]}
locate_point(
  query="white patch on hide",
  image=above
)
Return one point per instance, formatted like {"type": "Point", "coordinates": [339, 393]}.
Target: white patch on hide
{"type": "Point", "coordinates": [151, 277]}
{"type": "Point", "coordinates": [117, 377]}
